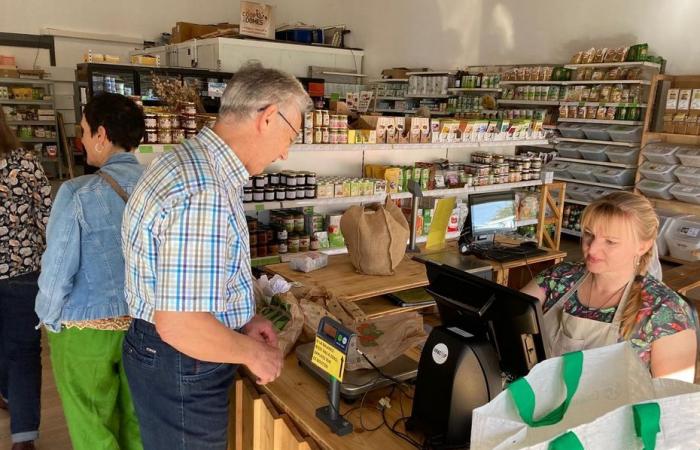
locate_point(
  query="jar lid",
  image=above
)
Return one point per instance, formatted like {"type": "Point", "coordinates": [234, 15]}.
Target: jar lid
{"type": "Point", "coordinates": [273, 174]}
{"type": "Point", "coordinates": [260, 177]}
{"type": "Point", "coordinates": [310, 174]}
{"type": "Point", "coordinates": [247, 189]}
{"type": "Point", "coordinates": [269, 189]}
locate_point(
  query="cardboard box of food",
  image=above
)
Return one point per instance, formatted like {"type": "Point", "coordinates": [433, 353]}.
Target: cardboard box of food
{"type": "Point", "coordinates": [256, 20]}
{"type": "Point", "coordinates": [184, 31]}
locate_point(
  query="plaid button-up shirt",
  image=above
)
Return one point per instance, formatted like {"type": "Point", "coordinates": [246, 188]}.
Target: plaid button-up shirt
{"type": "Point", "coordinates": [185, 237]}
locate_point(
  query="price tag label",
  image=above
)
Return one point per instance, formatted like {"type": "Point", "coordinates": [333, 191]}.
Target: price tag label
{"type": "Point", "coordinates": [308, 210]}
{"type": "Point", "coordinates": [167, 148]}
{"type": "Point", "coordinates": [259, 207]}
{"type": "Point", "coordinates": [328, 358]}
{"type": "Point", "coordinates": [145, 149]}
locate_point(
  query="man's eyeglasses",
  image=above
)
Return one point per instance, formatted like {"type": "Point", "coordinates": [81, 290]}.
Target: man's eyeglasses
{"type": "Point", "coordinates": [296, 133]}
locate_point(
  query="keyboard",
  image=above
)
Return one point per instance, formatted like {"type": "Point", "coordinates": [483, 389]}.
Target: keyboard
{"type": "Point", "coordinates": [505, 253]}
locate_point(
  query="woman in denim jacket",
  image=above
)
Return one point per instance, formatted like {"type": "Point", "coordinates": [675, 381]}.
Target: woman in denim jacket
{"type": "Point", "coordinates": [81, 287]}
{"type": "Point", "coordinates": [25, 202]}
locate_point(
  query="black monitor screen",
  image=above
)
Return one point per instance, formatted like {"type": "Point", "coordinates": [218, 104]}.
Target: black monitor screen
{"type": "Point", "coordinates": [509, 319]}
{"type": "Point", "coordinates": [491, 213]}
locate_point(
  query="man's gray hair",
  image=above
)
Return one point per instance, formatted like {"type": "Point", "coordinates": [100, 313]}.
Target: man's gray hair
{"type": "Point", "coordinates": [254, 87]}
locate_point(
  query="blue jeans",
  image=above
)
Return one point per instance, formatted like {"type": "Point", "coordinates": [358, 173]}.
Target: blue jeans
{"type": "Point", "coordinates": [20, 355]}
{"type": "Point", "coordinates": [182, 403]}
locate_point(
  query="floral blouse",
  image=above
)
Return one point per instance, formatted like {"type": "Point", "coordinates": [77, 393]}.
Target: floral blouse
{"type": "Point", "coordinates": [25, 203]}
{"type": "Point", "coordinates": [663, 311]}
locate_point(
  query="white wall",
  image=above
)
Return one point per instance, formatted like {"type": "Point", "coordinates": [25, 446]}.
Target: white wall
{"type": "Point", "coordinates": [447, 34]}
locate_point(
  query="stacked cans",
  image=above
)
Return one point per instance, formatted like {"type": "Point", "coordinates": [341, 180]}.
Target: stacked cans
{"type": "Point", "coordinates": [321, 127]}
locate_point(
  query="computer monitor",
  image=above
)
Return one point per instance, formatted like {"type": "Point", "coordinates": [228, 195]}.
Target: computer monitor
{"type": "Point", "coordinates": [491, 213]}
{"type": "Point", "coordinates": [510, 320]}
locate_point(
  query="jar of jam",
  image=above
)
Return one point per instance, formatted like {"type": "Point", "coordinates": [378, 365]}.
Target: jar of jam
{"type": "Point", "coordinates": [247, 195]}
{"type": "Point", "coordinates": [315, 244]}
{"type": "Point", "coordinates": [280, 193]}
{"type": "Point", "coordinates": [262, 251]}
{"type": "Point", "coordinates": [262, 237]}
{"type": "Point", "coordinates": [301, 192]}
{"type": "Point", "coordinates": [175, 121]}
{"type": "Point", "coordinates": [150, 120]}
{"type": "Point", "coordinates": [288, 222]}
{"type": "Point", "coordinates": [165, 136]}
{"type": "Point", "coordinates": [291, 193]}
{"type": "Point", "coordinates": [301, 178]}
{"type": "Point", "coordinates": [190, 134]}
{"type": "Point", "coordinates": [253, 239]}
{"type": "Point", "coordinates": [151, 136]}
{"type": "Point", "coordinates": [282, 235]}
{"type": "Point", "coordinates": [536, 164]}
{"type": "Point", "coordinates": [252, 224]}
{"type": "Point", "coordinates": [273, 249]}
{"type": "Point", "coordinates": [259, 181]}
{"type": "Point", "coordinates": [253, 252]}
{"type": "Point", "coordinates": [258, 195]}
{"type": "Point", "coordinates": [165, 121]}
{"type": "Point", "coordinates": [299, 223]}
{"type": "Point", "coordinates": [270, 235]}
{"type": "Point", "coordinates": [283, 178]}
{"type": "Point", "coordinates": [178, 135]}
{"type": "Point", "coordinates": [310, 192]}
{"type": "Point", "coordinates": [310, 179]}
{"type": "Point", "coordinates": [291, 180]}
{"type": "Point", "coordinates": [304, 243]}
{"type": "Point", "coordinates": [282, 247]}
{"type": "Point", "coordinates": [249, 183]}
{"type": "Point", "coordinates": [293, 243]}
{"type": "Point", "coordinates": [273, 179]}
{"type": "Point", "coordinates": [188, 108]}
{"type": "Point", "coordinates": [188, 122]}
{"type": "Point", "coordinates": [269, 194]}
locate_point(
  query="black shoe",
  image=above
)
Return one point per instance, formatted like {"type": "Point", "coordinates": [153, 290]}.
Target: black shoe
{"type": "Point", "coordinates": [26, 445]}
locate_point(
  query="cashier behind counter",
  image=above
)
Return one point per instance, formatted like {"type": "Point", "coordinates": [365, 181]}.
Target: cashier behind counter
{"type": "Point", "coordinates": [611, 297]}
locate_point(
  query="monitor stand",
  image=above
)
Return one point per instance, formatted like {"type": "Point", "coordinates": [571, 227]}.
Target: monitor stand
{"type": "Point", "coordinates": [357, 382]}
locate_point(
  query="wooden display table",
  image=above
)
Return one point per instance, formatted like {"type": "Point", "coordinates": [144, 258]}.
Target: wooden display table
{"type": "Point", "coordinates": [341, 279]}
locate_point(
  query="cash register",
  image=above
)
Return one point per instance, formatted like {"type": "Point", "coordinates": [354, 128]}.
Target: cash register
{"type": "Point", "coordinates": [490, 334]}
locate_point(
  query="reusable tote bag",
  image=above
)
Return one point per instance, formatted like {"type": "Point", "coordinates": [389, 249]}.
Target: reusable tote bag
{"type": "Point", "coordinates": [589, 400]}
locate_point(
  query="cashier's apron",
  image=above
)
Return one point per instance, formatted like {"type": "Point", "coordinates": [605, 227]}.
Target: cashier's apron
{"type": "Point", "coordinates": [567, 333]}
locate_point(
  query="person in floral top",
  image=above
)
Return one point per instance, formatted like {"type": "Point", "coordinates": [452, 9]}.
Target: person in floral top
{"type": "Point", "coordinates": [25, 204]}
{"type": "Point", "coordinates": [611, 297]}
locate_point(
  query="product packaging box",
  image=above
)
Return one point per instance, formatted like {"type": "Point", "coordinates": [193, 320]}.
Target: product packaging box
{"type": "Point", "coordinates": [256, 20]}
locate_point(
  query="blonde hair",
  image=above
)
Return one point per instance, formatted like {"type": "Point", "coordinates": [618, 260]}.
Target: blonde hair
{"type": "Point", "coordinates": [639, 214]}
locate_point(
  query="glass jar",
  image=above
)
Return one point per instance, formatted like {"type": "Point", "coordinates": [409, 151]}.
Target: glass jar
{"type": "Point", "coordinates": [282, 234]}
{"type": "Point", "coordinates": [253, 252]}
{"type": "Point", "coordinates": [150, 120]}
{"type": "Point", "coordinates": [291, 180]}
{"type": "Point", "coordinates": [282, 247]}
{"type": "Point", "coordinates": [291, 193]}
{"type": "Point", "coordinates": [249, 183]}
{"type": "Point", "coordinates": [258, 195]}
{"type": "Point", "coordinates": [151, 136]}
{"type": "Point", "coordinates": [310, 179]}
{"type": "Point", "coordinates": [178, 135]}
{"type": "Point", "coordinates": [293, 243]}
{"type": "Point", "coordinates": [269, 194]}
{"type": "Point", "coordinates": [247, 195]}
{"type": "Point", "coordinates": [188, 122]}
{"type": "Point", "coordinates": [299, 223]}
{"type": "Point", "coordinates": [262, 251]}
{"type": "Point", "coordinates": [288, 223]}
{"type": "Point", "coordinates": [262, 237]}
{"type": "Point", "coordinates": [273, 249]}
{"type": "Point", "coordinates": [314, 244]}
{"type": "Point", "coordinates": [165, 121]}
{"type": "Point", "coordinates": [175, 121]}
{"type": "Point", "coordinates": [301, 178]}
{"type": "Point", "coordinates": [188, 108]}
{"type": "Point", "coordinates": [253, 239]}
{"type": "Point", "coordinates": [259, 181]}
{"type": "Point", "coordinates": [280, 193]}
{"type": "Point", "coordinates": [273, 179]}
{"type": "Point", "coordinates": [301, 192]}
{"type": "Point", "coordinates": [310, 192]}
{"type": "Point", "coordinates": [304, 243]}
{"type": "Point", "coordinates": [165, 136]}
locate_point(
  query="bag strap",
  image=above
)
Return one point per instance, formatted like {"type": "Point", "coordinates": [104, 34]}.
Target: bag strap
{"type": "Point", "coordinates": [567, 441]}
{"type": "Point", "coordinates": [647, 418]}
{"type": "Point", "coordinates": [114, 185]}
{"type": "Point", "coordinates": [647, 423]}
{"type": "Point", "coordinates": [524, 397]}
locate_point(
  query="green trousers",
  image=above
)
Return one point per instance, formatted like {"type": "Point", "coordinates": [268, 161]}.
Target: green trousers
{"type": "Point", "coordinates": [87, 367]}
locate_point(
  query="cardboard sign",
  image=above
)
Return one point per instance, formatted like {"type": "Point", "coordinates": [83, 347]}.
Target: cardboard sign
{"type": "Point", "coordinates": [256, 20]}
{"type": "Point", "coordinates": [328, 358]}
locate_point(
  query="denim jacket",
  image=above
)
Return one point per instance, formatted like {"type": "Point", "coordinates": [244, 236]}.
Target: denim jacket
{"type": "Point", "coordinates": [82, 269]}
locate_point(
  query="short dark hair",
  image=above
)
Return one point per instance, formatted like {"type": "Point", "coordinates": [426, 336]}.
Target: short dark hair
{"type": "Point", "coordinates": [122, 119]}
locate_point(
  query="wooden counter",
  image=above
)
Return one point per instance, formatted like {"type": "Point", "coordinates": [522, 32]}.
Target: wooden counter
{"type": "Point", "coordinates": [340, 278]}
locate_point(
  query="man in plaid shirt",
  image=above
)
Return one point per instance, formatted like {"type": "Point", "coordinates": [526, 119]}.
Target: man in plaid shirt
{"type": "Point", "coordinates": [188, 276]}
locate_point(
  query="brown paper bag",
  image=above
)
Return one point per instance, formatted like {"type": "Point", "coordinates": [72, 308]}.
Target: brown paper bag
{"type": "Point", "coordinates": [376, 237]}
{"type": "Point", "coordinates": [285, 313]}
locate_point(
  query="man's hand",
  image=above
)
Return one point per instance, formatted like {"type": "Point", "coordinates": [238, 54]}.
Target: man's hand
{"type": "Point", "coordinates": [267, 363]}
{"type": "Point", "coordinates": [261, 329]}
